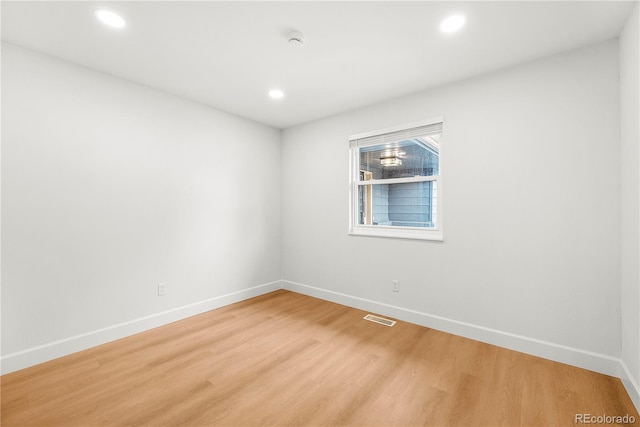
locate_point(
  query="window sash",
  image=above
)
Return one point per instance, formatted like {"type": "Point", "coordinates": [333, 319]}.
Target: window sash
{"type": "Point", "coordinates": [356, 225]}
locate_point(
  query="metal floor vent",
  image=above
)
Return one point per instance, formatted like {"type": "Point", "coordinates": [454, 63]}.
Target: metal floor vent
{"type": "Point", "coordinates": [381, 320]}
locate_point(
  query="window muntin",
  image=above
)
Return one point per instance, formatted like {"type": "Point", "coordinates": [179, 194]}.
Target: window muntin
{"type": "Point", "coordinates": [396, 182]}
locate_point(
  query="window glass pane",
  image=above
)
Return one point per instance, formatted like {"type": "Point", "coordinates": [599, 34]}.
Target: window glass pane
{"type": "Point", "coordinates": [412, 157]}
{"type": "Point", "coordinates": [398, 205]}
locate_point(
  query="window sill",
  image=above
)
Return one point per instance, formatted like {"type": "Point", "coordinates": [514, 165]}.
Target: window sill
{"type": "Point", "coordinates": [397, 233]}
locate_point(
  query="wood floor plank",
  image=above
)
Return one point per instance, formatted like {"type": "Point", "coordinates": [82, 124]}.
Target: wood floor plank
{"type": "Point", "coordinates": [285, 359]}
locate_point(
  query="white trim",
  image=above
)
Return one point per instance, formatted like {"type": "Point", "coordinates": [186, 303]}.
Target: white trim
{"type": "Point", "coordinates": [560, 353]}
{"type": "Point", "coordinates": [632, 387]}
{"type": "Point", "coordinates": [42, 353]}
{"type": "Point", "coordinates": [597, 362]}
{"type": "Point", "coordinates": [397, 232]}
{"type": "Point", "coordinates": [397, 128]}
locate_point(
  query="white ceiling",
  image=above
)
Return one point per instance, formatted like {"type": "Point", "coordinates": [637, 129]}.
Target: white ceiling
{"type": "Point", "coordinates": [229, 54]}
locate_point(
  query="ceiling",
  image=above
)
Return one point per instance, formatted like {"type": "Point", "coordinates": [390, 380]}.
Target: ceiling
{"type": "Point", "coordinates": [230, 54]}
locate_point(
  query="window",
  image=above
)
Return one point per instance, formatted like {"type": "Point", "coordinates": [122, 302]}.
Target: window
{"type": "Point", "coordinates": [396, 183]}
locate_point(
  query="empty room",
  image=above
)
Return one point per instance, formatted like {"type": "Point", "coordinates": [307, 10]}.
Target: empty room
{"type": "Point", "coordinates": [320, 213]}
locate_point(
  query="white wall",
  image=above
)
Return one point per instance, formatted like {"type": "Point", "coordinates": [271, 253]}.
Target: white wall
{"type": "Point", "coordinates": [109, 188]}
{"type": "Point", "coordinates": [531, 196]}
{"type": "Point", "coordinates": [630, 137]}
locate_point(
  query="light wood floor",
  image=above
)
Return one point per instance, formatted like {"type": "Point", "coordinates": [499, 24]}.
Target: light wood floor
{"type": "Point", "coordinates": [288, 359]}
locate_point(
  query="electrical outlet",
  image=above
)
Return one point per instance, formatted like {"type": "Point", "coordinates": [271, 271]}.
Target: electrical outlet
{"type": "Point", "coordinates": [162, 289]}
{"type": "Point", "coordinates": [396, 286]}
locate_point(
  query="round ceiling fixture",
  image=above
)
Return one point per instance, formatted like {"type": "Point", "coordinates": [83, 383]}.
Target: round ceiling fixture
{"type": "Point", "coordinates": [296, 38]}
{"type": "Point", "coordinates": [452, 23]}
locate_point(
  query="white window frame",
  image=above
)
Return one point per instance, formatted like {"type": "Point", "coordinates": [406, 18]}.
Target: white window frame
{"type": "Point", "coordinates": [420, 233]}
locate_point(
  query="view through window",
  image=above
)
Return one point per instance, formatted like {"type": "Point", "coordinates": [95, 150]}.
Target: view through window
{"type": "Point", "coordinates": [395, 182]}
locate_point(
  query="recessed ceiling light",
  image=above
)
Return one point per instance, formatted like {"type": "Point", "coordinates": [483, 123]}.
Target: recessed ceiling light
{"type": "Point", "coordinates": [109, 18]}
{"type": "Point", "coordinates": [452, 23]}
{"type": "Point", "coordinates": [276, 94]}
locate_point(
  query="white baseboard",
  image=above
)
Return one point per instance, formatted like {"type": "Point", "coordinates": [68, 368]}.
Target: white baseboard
{"type": "Point", "coordinates": [33, 356]}
{"type": "Point", "coordinates": [571, 356]}
{"type": "Point", "coordinates": [630, 384]}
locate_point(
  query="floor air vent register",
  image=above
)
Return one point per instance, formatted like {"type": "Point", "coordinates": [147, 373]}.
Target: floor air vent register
{"type": "Point", "coordinates": [380, 320]}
